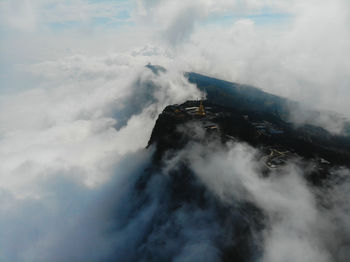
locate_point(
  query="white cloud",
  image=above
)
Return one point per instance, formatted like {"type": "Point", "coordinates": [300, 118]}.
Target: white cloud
{"type": "Point", "coordinates": [76, 138]}
{"type": "Point", "coordinates": [19, 15]}
{"type": "Point", "coordinates": [301, 59]}
{"type": "Point", "coordinates": [72, 131]}
{"type": "Point", "coordinates": [26, 15]}
{"type": "Point", "coordinates": [69, 121]}
{"type": "Point", "coordinates": [297, 225]}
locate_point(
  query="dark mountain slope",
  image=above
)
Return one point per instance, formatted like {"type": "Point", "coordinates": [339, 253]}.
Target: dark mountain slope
{"type": "Point", "coordinates": [183, 220]}
{"type": "Point", "coordinates": [242, 97]}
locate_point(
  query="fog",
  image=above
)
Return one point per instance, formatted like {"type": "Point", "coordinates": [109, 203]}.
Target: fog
{"type": "Point", "coordinates": [294, 49]}
{"type": "Point", "coordinates": [296, 228]}
{"type": "Point", "coordinates": [77, 108]}
{"type": "Point", "coordinates": [70, 152]}
{"type": "Point", "coordinates": [303, 223]}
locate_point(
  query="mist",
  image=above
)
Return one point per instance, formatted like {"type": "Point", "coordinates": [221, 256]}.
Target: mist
{"type": "Point", "coordinates": [302, 222]}
{"type": "Point", "coordinates": [78, 105]}
{"type": "Point", "coordinates": [67, 164]}
{"type": "Point", "coordinates": [295, 49]}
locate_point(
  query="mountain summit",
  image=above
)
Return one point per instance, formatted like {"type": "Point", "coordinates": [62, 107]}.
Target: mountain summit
{"type": "Point", "coordinates": [229, 171]}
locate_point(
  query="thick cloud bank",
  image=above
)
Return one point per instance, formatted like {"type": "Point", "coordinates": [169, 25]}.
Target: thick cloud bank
{"type": "Point", "coordinates": [76, 183]}
{"type": "Point", "coordinates": [69, 149]}
{"type": "Point", "coordinates": [299, 226]}
{"type": "Point", "coordinates": [75, 177]}
{"type": "Point", "coordinates": [294, 48]}
{"type": "Point", "coordinates": [118, 207]}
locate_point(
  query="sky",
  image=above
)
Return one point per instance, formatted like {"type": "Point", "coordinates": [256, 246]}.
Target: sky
{"type": "Point", "coordinates": [74, 109]}
{"type": "Point", "coordinates": [291, 48]}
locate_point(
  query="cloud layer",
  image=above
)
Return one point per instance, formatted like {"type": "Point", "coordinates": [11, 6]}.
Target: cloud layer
{"type": "Point", "coordinates": [65, 143]}
{"type": "Point", "coordinates": [77, 108]}
{"type": "Point", "coordinates": [300, 219]}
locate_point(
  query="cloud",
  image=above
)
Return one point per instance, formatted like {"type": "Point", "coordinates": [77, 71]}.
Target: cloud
{"type": "Point", "coordinates": [176, 22]}
{"type": "Point", "coordinates": [69, 221]}
{"type": "Point", "coordinates": [73, 159]}
{"type": "Point", "coordinates": [59, 147]}
{"type": "Point", "coordinates": [274, 45]}
{"type": "Point", "coordinates": [302, 59]}
{"type": "Point", "coordinates": [72, 136]}
{"type": "Point", "coordinates": [19, 15]}
{"type": "Point", "coordinates": [47, 127]}
{"type": "Point", "coordinates": [65, 143]}
{"type": "Point", "coordinates": [292, 49]}
{"type": "Point", "coordinates": [29, 16]}
{"type": "Point", "coordinates": [299, 224]}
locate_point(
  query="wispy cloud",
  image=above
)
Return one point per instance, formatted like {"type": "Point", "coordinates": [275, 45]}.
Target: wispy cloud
{"type": "Point", "coordinates": [52, 14]}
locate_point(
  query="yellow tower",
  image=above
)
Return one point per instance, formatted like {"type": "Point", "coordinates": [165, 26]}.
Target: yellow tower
{"type": "Point", "coordinates": [201, 110]}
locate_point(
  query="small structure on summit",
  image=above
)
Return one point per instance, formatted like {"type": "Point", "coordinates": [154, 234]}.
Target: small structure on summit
{"type": "Point", "coordinates": [201, 110]}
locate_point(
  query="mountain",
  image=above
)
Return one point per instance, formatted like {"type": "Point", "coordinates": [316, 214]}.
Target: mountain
{"type": "Point", "coordinates": [309, 140]}
{"type": "Point", "coordinates": [183, 217]}
{"type": "Point", "coordinates": [185, 206]}
{"type": "Point", "coordinates": [242, 97]}
{"type": "Point", "coordinates": [260, 130]}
